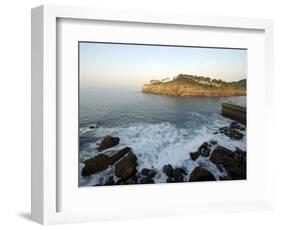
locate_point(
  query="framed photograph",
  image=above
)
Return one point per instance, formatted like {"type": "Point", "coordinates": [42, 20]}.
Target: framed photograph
{"type": "Point", "coordinates": [141, 114]}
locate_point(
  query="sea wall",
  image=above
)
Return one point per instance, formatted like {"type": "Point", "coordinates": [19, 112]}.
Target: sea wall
{"type": "Point", "coordinates": [184, 89]}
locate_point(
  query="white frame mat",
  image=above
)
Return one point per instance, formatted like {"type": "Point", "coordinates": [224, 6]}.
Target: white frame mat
{"type": "Point", "coordinates": [46, 184]}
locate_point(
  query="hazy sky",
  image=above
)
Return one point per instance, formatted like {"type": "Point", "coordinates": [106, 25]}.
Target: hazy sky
{"type": "Point", "coordinates": [118, 65]}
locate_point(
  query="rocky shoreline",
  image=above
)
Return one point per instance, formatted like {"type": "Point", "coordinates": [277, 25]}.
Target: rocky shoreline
{"type": "Point", "coordinates": [121, 165]}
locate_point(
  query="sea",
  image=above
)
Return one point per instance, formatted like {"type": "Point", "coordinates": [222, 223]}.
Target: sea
{"type": "Point", "coordinates": [160, 129]}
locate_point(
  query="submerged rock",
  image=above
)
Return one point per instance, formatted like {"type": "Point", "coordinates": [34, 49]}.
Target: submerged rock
{"type": "Point", "coordinates": [201, 174]}
{"type": "Point", "coordinates": [96, 164]}
{"type": "Point", "coordinates": [108, 142]}
{"type": "Point", "coordinates": [126, 167]}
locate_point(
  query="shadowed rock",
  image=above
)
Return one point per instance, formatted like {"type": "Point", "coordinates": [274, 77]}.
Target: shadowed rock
{"type": "Point", "coordinates": [96, 164]}
{"type": "Point", "coordinates": [126, 167]}
{"type": "Point", "coordinates": [201, 174]}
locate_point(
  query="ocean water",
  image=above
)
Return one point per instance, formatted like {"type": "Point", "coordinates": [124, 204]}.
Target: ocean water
{"type": "Point", "coordinates": [160, 129]}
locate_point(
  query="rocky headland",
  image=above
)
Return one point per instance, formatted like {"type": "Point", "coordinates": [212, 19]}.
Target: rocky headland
{"type": "Point", "coordinates": [190, 85]}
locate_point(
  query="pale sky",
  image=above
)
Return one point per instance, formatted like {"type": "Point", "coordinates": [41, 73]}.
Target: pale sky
{"type": "Point", "coordinates": [120, 65]}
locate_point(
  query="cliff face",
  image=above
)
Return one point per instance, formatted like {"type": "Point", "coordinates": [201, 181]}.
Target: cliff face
{"type": "Point", "coordinates": [188, 87]}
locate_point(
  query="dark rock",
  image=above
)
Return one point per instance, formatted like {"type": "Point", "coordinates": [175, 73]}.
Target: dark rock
{"type": "Point", "coordinates": [205, 152]}
{"type": "Point", "coordinates": [201, 174]}
{"type": "Point", "coordinates": [174, 175]}
{"type": "Point", "coordinates": [148, 172]}
{"type": "Point", "coordinates": [234, 163]}
{"type": "Point", "coordinates": [92, 126]}
{"type": "Point", "coordinates": [168, 170]}
{"type": "Point", "coordinates": [194, 155]}
{"type": "Point", "coordinates": [119, 155]}
{"type": "Point", "coordinates": [178, 175]}
{"type": "Point", "coordinates": [146, 180]}
{"type": "Point", "coordinates": [231, 133]}
{"type": "Point", "coordinates": [240, 151]}
{"type": "Point", "coordinates": [213, 142]}
{"type": "Point", "coordinates": [218, 153]}
{"type": "Point", "coordinates": [95, 164]}
{"type": "Point", "coordinates": [126, 167]}
{"type": "Point", "coordinates": [215, 132]}
{"type": "Point", "coordinates": [108, 142]}
{"type": "Point", "coordinates": [203, 146]}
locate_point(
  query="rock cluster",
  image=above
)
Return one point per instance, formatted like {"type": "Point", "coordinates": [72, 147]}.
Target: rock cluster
{"type": "Point", "coordinates": [122, 164]}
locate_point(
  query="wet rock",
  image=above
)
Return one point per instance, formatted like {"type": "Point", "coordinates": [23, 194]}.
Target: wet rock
{"type": "Point", "coordinates": [231, 133]}
{"type": "Point", "coordinates": [95, 164]}
{"type": "Point", "coordinates": [194, 155]}
{"type": "Point", "coordinates": [108, 142]}
{"type": "Point", "coordinates": [168, 170]}
{"type": "Point", "coordinates": [148, 172]}
{"type": "Point", "coordinates": [233, 162]}
{"type": "Point", "coordinates": [201, 174]}
{"type": "Point", "coordinates": [174, 175]}
{"type": "Point", "coordinates": [217, 156]}
{"type": "Point", "coordinates": [204, 150]}
{"type": "Point", "coordinates": [119, 155]}
{"type": "Point", "coordinates": [126, 167]}
{"type": "Point", "coordinates": [146, 180]}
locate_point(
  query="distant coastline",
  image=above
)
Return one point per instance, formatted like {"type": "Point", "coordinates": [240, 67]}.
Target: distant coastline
{"type": "Point", "coordinates": [190, 85]}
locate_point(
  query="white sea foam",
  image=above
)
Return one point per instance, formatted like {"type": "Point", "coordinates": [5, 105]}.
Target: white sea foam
{"type": "Point", "coordinates": [164, 143]}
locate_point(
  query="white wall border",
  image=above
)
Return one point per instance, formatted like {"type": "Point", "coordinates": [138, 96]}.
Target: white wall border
{"type": "Point", "coordinates": [43, 35]}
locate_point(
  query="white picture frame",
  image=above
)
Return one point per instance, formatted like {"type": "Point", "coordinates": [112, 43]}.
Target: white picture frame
{"type": "Point", "coordinates": [45, 162]}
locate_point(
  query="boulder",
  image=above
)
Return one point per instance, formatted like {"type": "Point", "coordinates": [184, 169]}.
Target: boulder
{"type": "Point", "coordinates": [201, 174]}
{"type": "Point", "coordinates": [126, 167]}
{"type": "Point", "coordinates": [95, 164]}
{"type": "Point", "coordinates": [233, 162]}
{"type": "Point", "coordinates": [217, 156]}
{"type": "Point", "coordinates": [117, 156]}
{"type": "Point", "coordinates": [108, 142]}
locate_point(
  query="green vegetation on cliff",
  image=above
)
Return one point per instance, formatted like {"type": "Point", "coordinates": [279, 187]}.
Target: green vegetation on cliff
{"type": "Point", "coordinates": [191, 85]}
